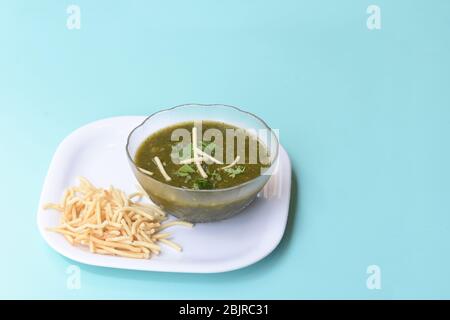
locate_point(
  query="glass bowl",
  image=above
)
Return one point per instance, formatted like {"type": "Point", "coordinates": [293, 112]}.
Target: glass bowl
{"type": "Point", "coordinates": [201, 205]}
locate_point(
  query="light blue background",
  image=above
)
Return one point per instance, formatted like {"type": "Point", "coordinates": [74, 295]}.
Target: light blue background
{"type": "Point", "coordinates": [364, 115]}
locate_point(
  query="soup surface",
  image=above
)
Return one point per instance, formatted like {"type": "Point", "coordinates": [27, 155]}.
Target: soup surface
{"type": "Point", "coordinates": [238, 156]}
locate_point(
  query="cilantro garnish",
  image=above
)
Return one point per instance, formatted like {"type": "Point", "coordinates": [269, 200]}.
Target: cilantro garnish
{"type": "Point", "coordinates": [202, 184]}
{"type": "Point", "coordinates": [234, 171]}
{"type": "Point", "coordinates": [216, 176]}
{"type": "Point", "coordinates": [209, 147]}
{"type": "Point", "coordinates": [185, 171]}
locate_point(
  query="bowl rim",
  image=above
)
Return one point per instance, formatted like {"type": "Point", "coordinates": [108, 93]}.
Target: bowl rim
{"type": "Point", "coordinates": [130, 158]}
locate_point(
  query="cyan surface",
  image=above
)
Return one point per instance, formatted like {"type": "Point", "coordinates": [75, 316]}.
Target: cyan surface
{"type": "Point", "coordinates": [364, 115]}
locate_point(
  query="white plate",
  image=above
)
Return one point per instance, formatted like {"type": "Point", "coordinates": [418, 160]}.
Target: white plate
{"type": "Point", "coordinates": [97, 152]}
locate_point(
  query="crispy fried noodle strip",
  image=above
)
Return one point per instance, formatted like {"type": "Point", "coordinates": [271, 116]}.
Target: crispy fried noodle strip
{"type": "Point", "coordinates": [107, 221]}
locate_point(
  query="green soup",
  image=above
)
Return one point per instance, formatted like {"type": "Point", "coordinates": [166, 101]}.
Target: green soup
{"type": "Point", "coordinates": [171, 148]}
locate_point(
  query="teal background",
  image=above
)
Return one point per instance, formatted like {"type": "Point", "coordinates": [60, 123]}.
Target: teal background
{"type": "Point", "coordinates": [364, 115]}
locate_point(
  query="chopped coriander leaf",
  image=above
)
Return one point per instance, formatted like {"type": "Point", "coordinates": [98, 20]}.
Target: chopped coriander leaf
{"type": "Point", "coordinates": [202, 184]}
{"type": "Point", "coordinates": [234, 171]}
{"type": "Point", "coordinates": [209, 147]}
{"type": "Point", "coordinates": [204, 144]}
{"type": "Point", "coordinates": [185, 171]}
{"type": "Point", "coordinates": [216, 176]}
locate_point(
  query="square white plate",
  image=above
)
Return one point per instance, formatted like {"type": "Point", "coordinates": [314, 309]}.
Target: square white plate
{"type": "Point", "coordinates": [97, 152]}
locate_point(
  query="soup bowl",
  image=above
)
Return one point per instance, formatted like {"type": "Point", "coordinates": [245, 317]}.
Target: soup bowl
{"type": "Point", "coordinates": [202, 205]}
